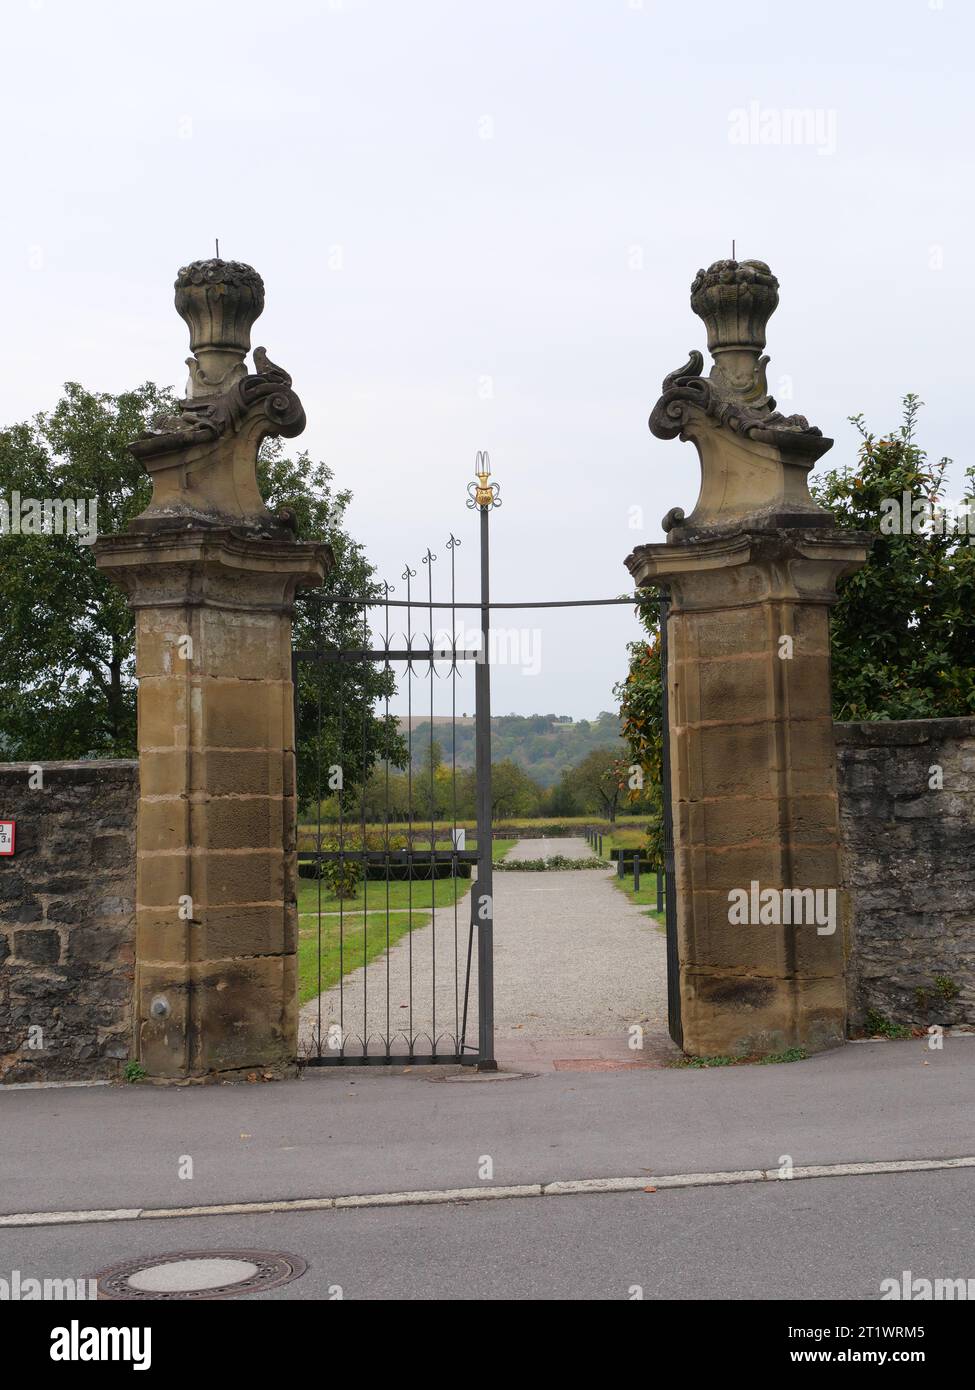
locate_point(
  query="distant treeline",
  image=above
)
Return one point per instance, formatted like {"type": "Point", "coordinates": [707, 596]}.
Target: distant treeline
{"type": "Point", "coordinates": [543, 745]}
{"type": "Point", "coordinates": [432, 788]}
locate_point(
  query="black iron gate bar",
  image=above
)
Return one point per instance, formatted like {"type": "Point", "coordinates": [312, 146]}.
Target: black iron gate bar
{"type": "Point", "coordinates": [632, 599]}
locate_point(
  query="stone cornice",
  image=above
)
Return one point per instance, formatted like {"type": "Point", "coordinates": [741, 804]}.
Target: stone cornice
{"type": "Point", "coordinates": [211, 567]}
{"type": "Point", "coordinates": [788, 565]}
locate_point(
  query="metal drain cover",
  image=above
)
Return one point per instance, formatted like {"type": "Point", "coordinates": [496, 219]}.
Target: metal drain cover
{"type": "Point", "coordinates": [194, 1274]}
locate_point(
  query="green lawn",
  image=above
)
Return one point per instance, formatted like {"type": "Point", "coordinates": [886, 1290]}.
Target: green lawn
{"type": "Point", "coordinates": [625, 837]}
{"type": "Point", "coordinates": [373, 895]}
{"type": "Point", "coordinates": [363, 924]}
{"type": "Point", "coordinates": [364, 937]}
{"type": "Point", "coordinates": [646, 897]}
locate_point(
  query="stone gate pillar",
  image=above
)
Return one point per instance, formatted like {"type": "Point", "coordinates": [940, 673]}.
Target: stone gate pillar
{"type": "Point", "coordinates": [762, 921]}
{"type": "Point", "coordinates": [211, 575]}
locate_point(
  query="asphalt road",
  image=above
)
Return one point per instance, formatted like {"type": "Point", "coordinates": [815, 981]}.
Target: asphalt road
{"type": "Point", "coordinates": [830, 1238]}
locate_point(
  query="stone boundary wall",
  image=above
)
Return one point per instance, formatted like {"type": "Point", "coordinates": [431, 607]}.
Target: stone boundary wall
{"type": "Point", "coordinates": [909, 862]}
{"type": "Point", "coordinates": [67, 920]}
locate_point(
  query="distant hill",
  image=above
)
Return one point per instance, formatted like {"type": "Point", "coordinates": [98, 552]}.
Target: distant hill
{"type": "Point", "coordinates": [543, 744]}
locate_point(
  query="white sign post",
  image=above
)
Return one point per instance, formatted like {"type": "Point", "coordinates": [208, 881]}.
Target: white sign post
{"type": "Point", "coordinates": [8, 829]}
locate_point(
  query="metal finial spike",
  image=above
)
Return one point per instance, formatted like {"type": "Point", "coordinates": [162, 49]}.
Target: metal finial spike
{"type": "Point", "coordinates": [482, 493]}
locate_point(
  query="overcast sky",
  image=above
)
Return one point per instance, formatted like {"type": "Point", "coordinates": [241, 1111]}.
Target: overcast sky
{"type": "Point", "coordinates": [477, 223]}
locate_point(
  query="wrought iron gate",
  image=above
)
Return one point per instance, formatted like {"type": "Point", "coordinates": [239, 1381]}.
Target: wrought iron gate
{"type": "Point", "coordinates": [376, 990]}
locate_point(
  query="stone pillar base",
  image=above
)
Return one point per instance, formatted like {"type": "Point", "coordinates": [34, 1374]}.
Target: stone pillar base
{"type": "Point", "coordinates": [761, 912]}
{"type": "Point", "coordinates": [216, 923]}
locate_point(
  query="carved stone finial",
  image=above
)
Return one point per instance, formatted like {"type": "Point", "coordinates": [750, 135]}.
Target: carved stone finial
{"type": "Point", "coordinates": [735, 299]}
{"type": "Point", "coordinates": [220, 301]}
{"type": "Point", "coordinates": [754, 460]}
{"type": "Point", "coordinates": [203, 460]}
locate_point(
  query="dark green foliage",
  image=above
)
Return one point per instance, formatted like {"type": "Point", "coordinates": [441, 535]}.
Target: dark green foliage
{"type": "Point", "coordinates": [903, 631]}
{"type": "Point", "coordinates": [67, 680]}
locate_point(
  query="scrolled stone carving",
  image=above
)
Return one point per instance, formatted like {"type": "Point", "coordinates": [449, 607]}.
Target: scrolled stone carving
{"type": "Point", "coordinates": [686, 389]}
{"type": "Point", "coordinates": [754, 459]}
{"type": "Point", "coordinates": [203, 460]}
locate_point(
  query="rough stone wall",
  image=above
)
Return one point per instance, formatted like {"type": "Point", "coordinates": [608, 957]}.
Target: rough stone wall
{"type": "Point", "coordinates": [909, 861]}
{"type": "Point", "coordinates": [67, 920]}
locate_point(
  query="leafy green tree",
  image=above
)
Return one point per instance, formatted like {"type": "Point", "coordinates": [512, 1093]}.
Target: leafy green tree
{"type": "Point", "coordinates": [903, 631]}
{"type": "Point", "coordinates": [596, 782]}
{"type": "Point", "coordinates": [67, 680]}
{"type": "Point", "coordinates": [66, 666]}
{"type": "Point", "coordinates": [641, 711]}
{"type": "Point", "coordinates": [343, 729]}
{"type": "Point", "coordinates": [513, 792]}
{"type": "Point", "coordinates": [561, 799]}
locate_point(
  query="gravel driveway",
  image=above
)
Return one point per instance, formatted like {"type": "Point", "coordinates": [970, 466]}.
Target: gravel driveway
{"type": "Point", "coordinates": [573, 959]}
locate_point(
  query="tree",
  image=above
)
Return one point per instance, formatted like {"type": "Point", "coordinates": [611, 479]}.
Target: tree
{"type": "Point", "coordinates": [903, 631]}
{"type": "Point", "coordinates": [641, 711]}
{"type": "Point", "coordinates": [67, 680]}
{"type": "Point", "coordinates": [513, 792]}
{"type": "Point", "coordinates": [596, 782]}
{"type": "Point", "coordinates": [343, 728]}
{"type": "Point", "coordinates": [560, 800]}
{"type": "Point", "coordinates": [67, 676]}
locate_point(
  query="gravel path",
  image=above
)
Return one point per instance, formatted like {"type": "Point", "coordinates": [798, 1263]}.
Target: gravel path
{"type": "Point", "coordinates": [573, 958]}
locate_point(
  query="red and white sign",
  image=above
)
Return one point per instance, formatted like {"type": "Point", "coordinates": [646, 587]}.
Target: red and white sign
{"type": "Point", "coordinates": [8, 831]}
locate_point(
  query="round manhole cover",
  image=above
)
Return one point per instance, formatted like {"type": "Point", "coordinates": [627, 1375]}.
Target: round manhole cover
{"type": "Point", "coordinates": [199, 1274]}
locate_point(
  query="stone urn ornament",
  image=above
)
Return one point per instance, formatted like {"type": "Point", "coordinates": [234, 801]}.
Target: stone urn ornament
{"type": "Point", "coordinates": [203, 460]}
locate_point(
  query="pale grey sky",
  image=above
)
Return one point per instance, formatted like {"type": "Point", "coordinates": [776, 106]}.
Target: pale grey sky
{"type": "Point", "coordinates": [478, 223]}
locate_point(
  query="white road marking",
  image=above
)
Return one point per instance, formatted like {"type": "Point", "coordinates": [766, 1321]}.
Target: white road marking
{"type": "Point", "coordinates": [575, 1187]}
